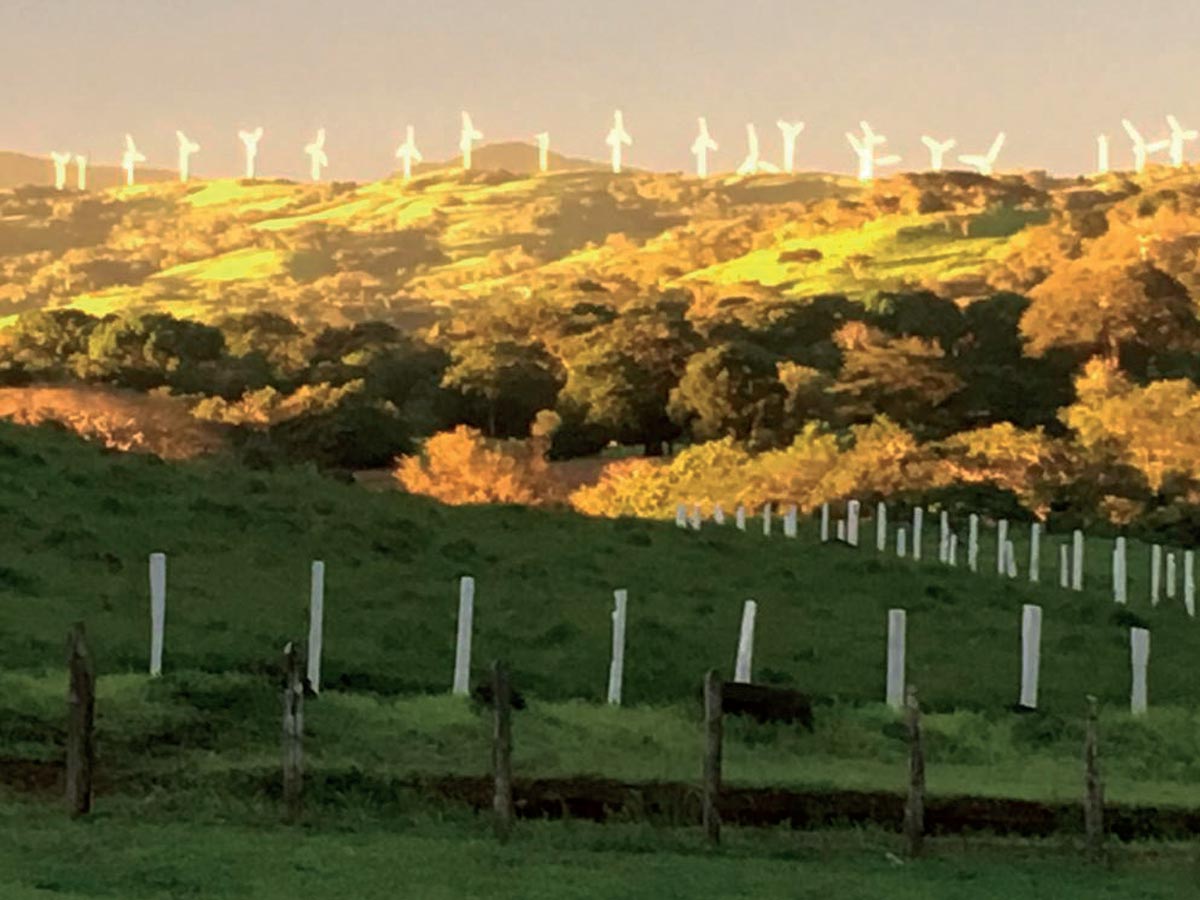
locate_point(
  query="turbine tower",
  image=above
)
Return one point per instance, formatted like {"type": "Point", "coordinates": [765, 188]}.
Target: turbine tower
{"type": "Point", "coordinates": [1142, 150]}
{"type": "Point", "coordinates": [543, 146]}
{"type": "Point", "coordinates": [81, 172]}
{"type": "Point", "coordinates": [469, 135]}
{"type": "Point", "coordinates": [186, 149]}
{"type": "Point", "coordinates": [1179, 136]}
{"type": "Point", "coordinates": [408, 153]}
{"type": "Point", "coordinates": [316, 154]}
{"type": "Point", "coordinates": [985, 164]}
{"type": "Point", "coordinates": [752, 164]}
{"type": "Point", "coordinates": [617, 138]}
{"type": "Point", "coordinates": [791, 131]}
{"type": "Point", "coordinates": [60, 169]}
{"type": "Point", "coordinates": [1102, 166]}
{"type": "Point", "coordinates": [701, 147]}
{"type": "Point", "coordinates": [864, 148]}
{"type": "Point", "coordinates": [250, 139]}
{"type": "Point", "coordinates": [937, 151]}
{"type": "Point", "coordinates": [130, 158]}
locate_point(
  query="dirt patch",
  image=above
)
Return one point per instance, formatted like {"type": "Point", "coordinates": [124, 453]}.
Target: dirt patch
{"type": "Point", "coordinates": [31, 776]}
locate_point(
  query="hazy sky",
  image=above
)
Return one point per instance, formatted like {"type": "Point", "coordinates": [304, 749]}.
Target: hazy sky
{"type": "Point", "coordinates": [77, 74]}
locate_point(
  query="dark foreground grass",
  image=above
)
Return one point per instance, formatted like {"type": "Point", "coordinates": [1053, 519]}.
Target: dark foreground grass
{"type": "Point", "coordinates": [125, 854]}
{"type": "Point", "coordinates": [79, 524]}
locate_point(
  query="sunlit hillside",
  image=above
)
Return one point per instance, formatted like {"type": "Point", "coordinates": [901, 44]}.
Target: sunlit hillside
{"type": "Point", "coordinates": [396, 251]}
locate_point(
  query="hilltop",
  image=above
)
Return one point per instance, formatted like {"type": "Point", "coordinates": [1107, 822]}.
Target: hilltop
{"type": "Point", "coordinates": [21, 170]}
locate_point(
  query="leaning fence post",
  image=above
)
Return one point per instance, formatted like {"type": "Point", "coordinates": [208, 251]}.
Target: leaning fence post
{"type": "Point", "coordinates": [158, 610]}
{"type": "Point", "coordinates": [293, 731]}
{"type": "Point", "coordinates": [712, 756]}
{"type": "Point", "coordinates": [81, 713]}
{"type": "Point", "coordinates": [502, 799]}
{"type": "Point", "coordinates": [1093, 787]}
{"type": "Point", "coordinates": [914, 809]}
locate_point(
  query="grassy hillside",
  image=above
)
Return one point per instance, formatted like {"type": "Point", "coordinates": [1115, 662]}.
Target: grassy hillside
{"type": "Point", "coordinates": [239, 543]}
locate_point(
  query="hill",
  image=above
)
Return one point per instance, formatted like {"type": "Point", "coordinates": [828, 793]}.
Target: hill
{"type": "Point", "coordinates": [21, 170]}
{"type": "Point", "coordinates": [517, 157]}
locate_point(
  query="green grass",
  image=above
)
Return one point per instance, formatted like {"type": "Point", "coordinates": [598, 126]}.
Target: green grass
{"type": "Point", "coordinates": [144, 853]}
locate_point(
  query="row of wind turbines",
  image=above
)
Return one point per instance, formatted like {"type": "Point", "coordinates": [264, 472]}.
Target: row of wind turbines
{"type": "Point", "coordinates": [865, 146]}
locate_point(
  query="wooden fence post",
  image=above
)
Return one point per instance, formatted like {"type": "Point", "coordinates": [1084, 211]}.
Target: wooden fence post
{"type": "Point", "coordinates": [1093, 794]}
{"type": "Point", "coordinates": [502, 800]}
{"type": "Point", "coordinates": [293, 732]}
{"type": "Point", "coordinates": [713, 729]}
{"type": "Point", "coordinates": [81, 712]}
{"type": "Point", "coordinates": [914, 809]}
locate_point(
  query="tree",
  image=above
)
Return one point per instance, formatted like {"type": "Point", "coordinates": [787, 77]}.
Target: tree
{"type": "Point", "coordinates": [503, 383]}
{"type": "Point", "coordinates": [731, 390]}
{"type": "Point", "coordinates": [153, 349]}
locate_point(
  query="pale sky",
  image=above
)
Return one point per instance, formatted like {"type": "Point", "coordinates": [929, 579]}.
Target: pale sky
{"type": "Point", "coordinates": [77, 74]}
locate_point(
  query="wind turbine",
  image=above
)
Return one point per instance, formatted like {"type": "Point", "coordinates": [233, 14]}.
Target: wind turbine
{"type": "Point", "coordinates": [864, 148]}
{"type": "Point", "coordinates": [543, 145]}
{"type": "Point", "coordinates": [60, 169]}
{"type": "Point", "coordinates": [1102, 166]}
{"type": "Point", "coordinates": [1178, 137]}
{"type": "Point", "coordinates": [791, 131]}
{"type": "Point", "coordinates": [81, 172]}
{"type": "Point", "coordinates": [469, 135]}
{"type": "Point", "coordinates": [701, 147]}
{"type": "Point", "coordinates": [186, 149]}
{"type": "Point", "coordinates": [1142, 150]}
{"type": "Point", "coordinates": [130, 158]}
{"type": "Point", "coordinates": [985, 164]}
{"type": "Point", "coordinates": [617, 138]}
{"type": "Point", "coordinates": [251, 139]}
{"type": "Point", "coordinates": [752, 164]}
{"type": "Point", "coordinates": [316, 154]}
{"type": "Point", "coordinates": [409, 153]}
{"type": "Point", "coordinates": [937, 151]}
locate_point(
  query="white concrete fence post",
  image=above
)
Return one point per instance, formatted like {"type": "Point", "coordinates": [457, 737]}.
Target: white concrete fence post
{"type": "Point", "coordinates": [1077, 562]}
{"type": "Point", "coordinates": [316, 624]}
{"type": "Point", "coordinates": [766, 519]}
{"type": "Point", "coordinates": [901, 543]}
{"type": "Point", "coordinates": [1139, 652]}
{"type": "Point", "coordinates": [944, 537]}
{"type": "Point", "coordinates": [462, 650]}
{"type": "Point", "coordinates": [918, 520]}
{"type": "Point", "coordinates": [973, 542]}
{"type": "Point", "coordinates": [1064, 566]}
{"type": "Point", "coordinates": [897, 626]}
{"type": "Point", "coordinates": [881, 526]}
{"type": "Point", "coordinates": [696, 518]}
{"type": "Point", "coordinates": [158, 610]}
{"type": "Point", "coordinates": [616, 669]}
{"type": "Point", "coordinates": [853, 510]}
{"type": "Point", "coordinates": [1035, 551]}
{"type": "Point", "coordinates": [789, 522]}
{"type": "Point", "coordinates": [1170, 576]}
{"type": "Point", "coordinates": [953, 549]}
{"type": "Point", "coordinates": [1001, 544]}
{"type": "Point", "coordinates": [1189, 582]}
{"type": "Point", "coordinates": [824, 523]}
{"type": "Point", "coordinates": [1155, 574]}
{"type": "Point", "coordinates": [1031, 654]}
{"type": "Point", "coordinates": [1010, 559]}
{"type": "Point", "coordinates": [1119, 572]}
{"type": "Point", "coordinates": [740, 517]}
{"type": "Point", "coordinates": [718, 514]}
{"type": "Point", "coordinates": [745, 651]}
{"type": "Point", "coordinates": [681, 516]}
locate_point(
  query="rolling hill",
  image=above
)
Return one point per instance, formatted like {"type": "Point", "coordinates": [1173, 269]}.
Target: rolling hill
{"type": "Point", "coordinates": [21, 170]}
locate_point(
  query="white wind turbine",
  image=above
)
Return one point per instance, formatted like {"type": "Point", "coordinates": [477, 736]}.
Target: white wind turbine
{"type": "Point", "coordinates": [1142, 150]}
{"type": "Point", "coordinates": [130, 158]}
{"type": "Point", "coordinates": [864, 148]}
{"type": "Point", "coordinates": [937, 151]}
{"type": "Point", "coordinates": [186, 149]}
{"type": "Point", "coordinates": [408, 153]}
{"type": "Point", "coordinates": [701, 147]}
{"type": "Point", "coordinates": [250, 139]}
{"type": "Point", "coordinates": [791, 131]}
{"type": "Point", "coordinates": [1102, 165]}
{"type": "Point", "coordinates": [617, 138]}
{"type": "Point", "coordinates": [469, 135]}
{"type": "Point", "coordinates": [316, 155]}
{"type": "Point", "coordinates": [60, 169]}
{"type": "Point", "coordinates": [985, 164]}
{"type": "Point", "coordinates": [752, 163]}
{"type": "Point", "coordinates": [81, 171]}
{"type": "Point", "coordinates": [1179, 136]}
{"type": "Point", "coordinates": [543, 145]}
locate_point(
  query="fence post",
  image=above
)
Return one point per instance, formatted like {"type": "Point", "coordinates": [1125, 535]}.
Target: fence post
{"type": "Point", "coordinates": [897, 625]}
{"type": "Point", "coordinates": [973, 543]}
{"type": "Point", "coordinates": [502, 801]}
{"type": "Point", "coordinates": [914, 809]}
{"type": "Point", "coordinates": [462, 650]}
{"type": "Point", "coordinates": [81, 713]}
{"type": "Point", "coordinates": [316, 624]}
{"type": "Point", "coordinates": [1093, 787]}
{"type": "Point", "coordinates": [1002, 547]}
{"type": "Point", "coordinates": [824, 523]}
{"type": "Point", "coordinates": [293, 732]}
{"type": "Point", "coordinates": [158, 610]}
{"type": "Point", "coordinates": [1035, 551]}
{"type": "Point", "coordinates": [918, 517]}
{"type": "Point", "coordinates": [744, 664]}
{"type": "Point", "coordinates": [1077, 560]}
{"type": "Point", "coordinates": [1139, 652]}
{"type": "Point", "coordinates": [713, 729]}
{"type": "Point", "coordinates": [616, 669]}
{"type": "Point", "coordinates": [1031, 654]}
{"type": "Point", "coordinates": [881, 527]}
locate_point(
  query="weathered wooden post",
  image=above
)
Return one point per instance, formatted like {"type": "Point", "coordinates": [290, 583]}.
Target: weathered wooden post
{"type": "Point", "coordinates": [81, 714]}
{"type": "Point", "coordinates": [897, 626]}
{"type": "Point", "coordinates": [1155, 574]}
{"type": "Point", "coordinates": [1077, 561]}
{"type": "Point", "coordinates": [158, 610]}
{"type": "Point", "coordinates": [1001, 547]}
{"type": "Point", "coordinates": [914, 808]}
{"type": "Point", "coordinates": [1093, 787]}
{"type": "Point", "coordinates": [293, 733]}
{"type": "Point", "coordinates": [918, 519]}
{"type": "Point", "coordinates": [1139, 656]}
{"type": "Point", "coordinates": [745, 649]}
{"type": "Point", "coordinates": [502, 800]}
{"type": "Point", "coordinates": [713, 729]}
{"type": "Point", "coordinates": [616, 669]}
{"type": "Point", "coordinates": [462, 651]}
{"type": "Point", "coordinates": [1031, 654]}
{"type": "Point", "coordinates": [881, 527]}
{"type": "Point", "coordinates": [973, 542]}
{"type": "Point", "coordinates": [316, 624]}
{"type": "Point", "coordinates": [1035, 551]}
